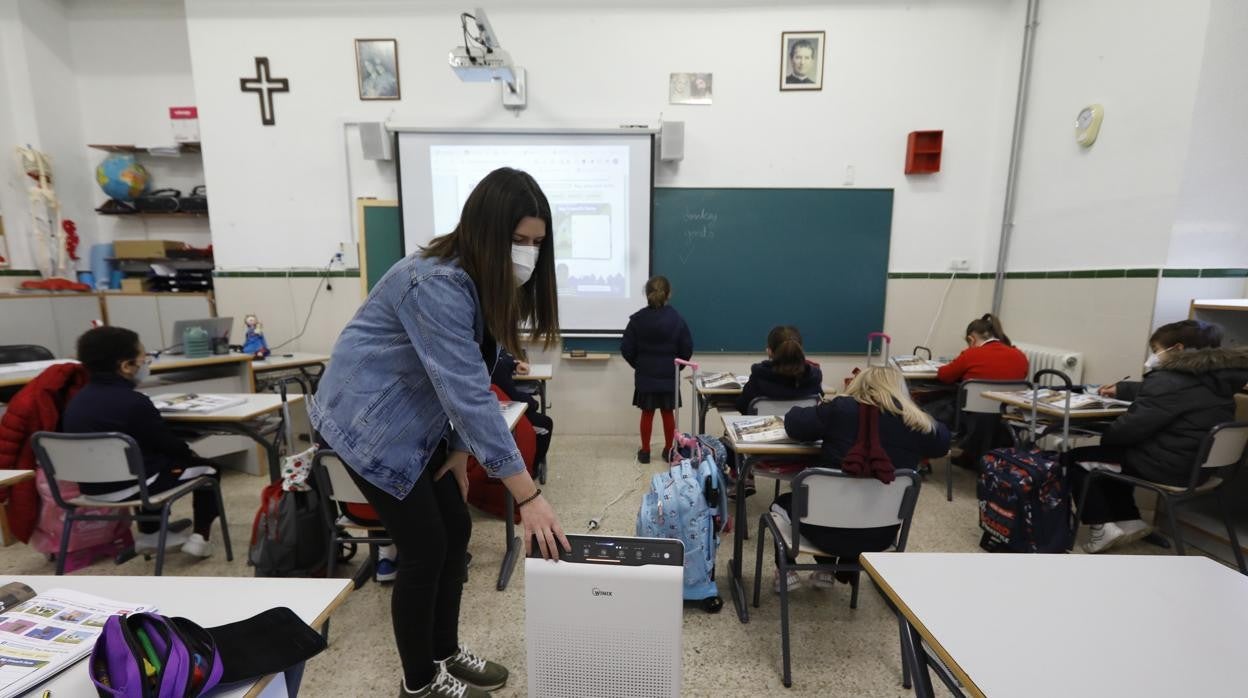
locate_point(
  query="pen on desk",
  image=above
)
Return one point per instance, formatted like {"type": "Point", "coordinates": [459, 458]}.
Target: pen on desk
{"type": "Point", "coordinates": [47, 694]}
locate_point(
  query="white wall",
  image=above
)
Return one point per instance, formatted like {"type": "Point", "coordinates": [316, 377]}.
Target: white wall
{"type": "Point", "coordinates": [1112, 205]}
{"type": "Point", "coordinates": [892, 67]}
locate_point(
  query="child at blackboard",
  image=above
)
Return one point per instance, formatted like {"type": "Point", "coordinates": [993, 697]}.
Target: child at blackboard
{"type": "Point", "coordinates": [655, 337]}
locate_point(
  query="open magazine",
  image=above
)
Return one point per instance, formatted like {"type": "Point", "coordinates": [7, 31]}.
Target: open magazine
{"type": "Point", "coordinates": [196, 403]}
{"type": "Point", "coordinates": [766, 429]}
{"type": "Point", "coordinates": [915, 364]}
{"type": "Point", "coordinates": [710, 381]}
{"type": "Point", "coordinates": [1078, 401]}
{"type": "Point", "coordinates": [42, 634]}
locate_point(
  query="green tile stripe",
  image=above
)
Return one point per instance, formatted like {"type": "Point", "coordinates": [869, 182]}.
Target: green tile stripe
{"type": "Point", "coordinates": [19, 272]}
{"type": "Point", "coordinates": [1143, 273]}
{"type": "Point", "coordinates": [293, 274]}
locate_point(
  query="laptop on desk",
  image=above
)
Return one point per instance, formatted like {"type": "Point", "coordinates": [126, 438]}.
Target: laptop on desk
{"type": "Point", "coordinates": [216, 327]}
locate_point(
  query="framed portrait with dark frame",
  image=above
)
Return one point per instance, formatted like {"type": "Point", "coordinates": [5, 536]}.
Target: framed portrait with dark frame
{"type": "Point", "coordinates": [377, 68]}
{"type": "Point", "coordinates": [801, 61]}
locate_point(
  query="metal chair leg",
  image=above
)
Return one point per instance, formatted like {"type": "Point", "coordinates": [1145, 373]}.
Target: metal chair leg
{"type": "Point", "coordinates": [1231, 534]}
{"type": "Point", "coordinates": [784, 620]}
{"type": "Point", "coordinates": [60, 555]}
{"type": "Point", "coordinates": [853, 595]}
{"type": "Point", "coordinates": [160, 540]}
{"type": "Point", "coordinates": [905, 652]}
{"type": "Point", "coordinates": [1175, 535]}
{"type": "Point", "coordinates": [948, 479]}
{"type": "Point", "coordinates": [758, 561]}
{"type": "Point", "coordinates": [225, 527]}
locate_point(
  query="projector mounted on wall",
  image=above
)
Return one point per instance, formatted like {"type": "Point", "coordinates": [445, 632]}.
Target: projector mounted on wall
{"type": "Point", "coordinates": [482, 59]}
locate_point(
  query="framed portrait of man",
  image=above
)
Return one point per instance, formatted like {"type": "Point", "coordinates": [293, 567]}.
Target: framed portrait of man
{"type": "Point", "coordinates": [801, 61]}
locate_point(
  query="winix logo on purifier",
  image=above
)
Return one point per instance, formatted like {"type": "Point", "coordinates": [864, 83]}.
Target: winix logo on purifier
{"type": "Point", "coordinates": [602, 592]}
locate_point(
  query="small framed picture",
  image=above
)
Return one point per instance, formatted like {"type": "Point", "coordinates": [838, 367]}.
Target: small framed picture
{"type": "Point", "coordinates": [377, 66]}
{"type": "Point", "coordinates": [801, 61]}
{"type": "Point", "coordinates": [689, 88]}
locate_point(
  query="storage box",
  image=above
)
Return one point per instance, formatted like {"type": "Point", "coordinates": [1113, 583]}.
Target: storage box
{"type": "Point", "coordinates": [143, 249]}
{"type": "Point", "coordinates": [133, 285]}
{"type": "Point", "coordinates": [185, 121]}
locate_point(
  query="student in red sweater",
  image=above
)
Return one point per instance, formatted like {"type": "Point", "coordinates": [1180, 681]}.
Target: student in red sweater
{"type": "Point", "coordinates": [989, 355]}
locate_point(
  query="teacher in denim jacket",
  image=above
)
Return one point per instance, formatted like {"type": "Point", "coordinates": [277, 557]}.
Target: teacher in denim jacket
{"type": "Point", "coordinates": [406, 399]}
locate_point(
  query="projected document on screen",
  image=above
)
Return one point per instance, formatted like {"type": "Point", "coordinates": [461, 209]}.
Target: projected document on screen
{"type": "Point", "coordinates": [598, 187]}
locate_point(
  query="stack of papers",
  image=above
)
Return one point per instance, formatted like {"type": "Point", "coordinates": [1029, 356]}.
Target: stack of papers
{"type": "Point", "coordinates": [767, 429]}
{"type": "Point", "coordinates": [721, 380]}
{"type": "Point", "coordinates": [915, 364]}
{"type": "Point", "coordinates": [195, 403]}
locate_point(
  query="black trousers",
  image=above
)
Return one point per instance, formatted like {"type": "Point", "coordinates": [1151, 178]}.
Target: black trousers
{"type": "Point", "coordinates": [845, 544]}
{"type": "Point", "coordinates": [203, 503]}
{"type": "Point", "coordinates": [541, 421]}
{"type": "Point", "coordinates": [430, 528]}
{"type": "Point", "coordinates": [1107, 500]}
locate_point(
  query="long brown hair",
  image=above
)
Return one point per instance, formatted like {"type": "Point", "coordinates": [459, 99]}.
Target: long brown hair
{"type": "Point", "coordinates": [482, 245]}
{"type": "Point", "coordinates": [787, 357]}
{"type": "Point", "coordinates": [658, 291]}
{"type": "Point", "coordinates": [988, 327]}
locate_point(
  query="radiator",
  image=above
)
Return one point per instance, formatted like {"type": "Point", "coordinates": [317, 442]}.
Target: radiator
{"type": "Point", "coordinates": [1064, 360]}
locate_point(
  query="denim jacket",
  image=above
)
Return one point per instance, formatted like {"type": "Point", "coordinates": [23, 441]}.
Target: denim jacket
{"type": "Point", "coordinates": [405, 368]}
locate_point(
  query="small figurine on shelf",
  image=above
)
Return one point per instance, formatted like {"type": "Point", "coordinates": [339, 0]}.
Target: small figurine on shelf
{"type": "Point", "coordinates": [255, 344]}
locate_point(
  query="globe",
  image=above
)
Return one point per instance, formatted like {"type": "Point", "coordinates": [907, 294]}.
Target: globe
{"type": "Point", "coordinates": [121, 177]}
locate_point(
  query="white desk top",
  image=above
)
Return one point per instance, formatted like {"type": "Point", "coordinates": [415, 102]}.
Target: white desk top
{"type": "Point", "coordinates": [782, 448]}
{"type": "Point", "coordinates": [277, 362]}
{"type": "Point", "coordinates": [513, 411]}
{"type": "Point", "coordinates": [22, 373]}
{"type": "Point", "coordinates": [537, 372]}
{"type": "Point", "coordinates": [209, 601]}
{"type": "Point", "coordinates": [176, 362]}
{"type": "Point", "coordinates": [12, 477]}
{"type": "Point", "coordinates": [254, 405]}
{"type": "Point", "coordinates": [1025, 626]}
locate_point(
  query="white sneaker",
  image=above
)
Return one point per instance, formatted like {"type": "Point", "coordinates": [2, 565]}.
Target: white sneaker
{"type": "Point", "coordinates": [1103, 537]}
{"type": "Point", "coordinates": [1133, 530]}
{"type": "Point", "coordinates": [795, 581]}
{"type": "Point", "coordinates": [197, 546]}
{"type": "Point", "coordinates": [823, 580]}
{"type": "Point", "coordinates": [145, 543]}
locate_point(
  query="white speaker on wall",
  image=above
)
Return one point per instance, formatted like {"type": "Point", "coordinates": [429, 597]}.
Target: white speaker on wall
{"type": "Point", "coordinates": [672, 141]}
{"type": "Point", "coordinates": [375, 141]}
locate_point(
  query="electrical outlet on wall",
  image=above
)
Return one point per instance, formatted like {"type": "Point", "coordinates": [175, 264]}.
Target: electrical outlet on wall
{"type": "Point", "coordinates": [347, 255]}
{"type": "Point", "coordinates": [957, 264]}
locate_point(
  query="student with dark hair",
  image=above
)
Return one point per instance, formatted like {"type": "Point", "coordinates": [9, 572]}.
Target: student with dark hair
{"type": "Point", "coordinates": [117, 363]}
{"type": "Point", "coordinates": [785, 375]}
{"type": "Point", "coordinates": [406, 399]}
{"type": "Point", "coordinates": [503, 376]}
{"type": "Point", "coordinates": [1189, 387]}
{"type": "Point", "coordinates": [989, 355]}
{"type": "Point", "coordinates": [655, 336]}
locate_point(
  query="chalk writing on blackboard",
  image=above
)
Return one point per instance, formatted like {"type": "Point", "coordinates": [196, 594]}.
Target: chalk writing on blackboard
{"type": "Point", "coordinates": [698, 225]}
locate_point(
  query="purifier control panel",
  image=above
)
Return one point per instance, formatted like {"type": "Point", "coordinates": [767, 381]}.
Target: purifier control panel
{"type": "Point", "coordinates": [620, 550]}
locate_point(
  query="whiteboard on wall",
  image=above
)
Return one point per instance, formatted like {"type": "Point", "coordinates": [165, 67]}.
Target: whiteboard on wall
{"type": "Point", "coordinates": [599, 186]}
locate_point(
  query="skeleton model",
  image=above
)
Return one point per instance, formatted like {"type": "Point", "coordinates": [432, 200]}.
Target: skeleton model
{"type": "Point", "coordinates": [51, 254]}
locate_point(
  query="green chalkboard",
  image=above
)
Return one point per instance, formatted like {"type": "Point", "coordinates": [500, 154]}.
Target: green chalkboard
{"type": "Point", "coordinates": [381, 239]}
{"type": "Point", "coordinates": [743, 260]}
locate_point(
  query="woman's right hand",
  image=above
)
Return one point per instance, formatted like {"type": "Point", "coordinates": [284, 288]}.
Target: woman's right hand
{"type": "Point", "coordinates": [539, 519]}
{"type": "Point", "coordinates": [1110, 390]}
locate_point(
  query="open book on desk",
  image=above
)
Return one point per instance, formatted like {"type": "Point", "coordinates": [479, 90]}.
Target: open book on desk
{"type": "Point", "coordinates": [196, 403]}
{"type": "Point", "coordinates": [1078, 401]}
{"type": "Point", "coordinates": [41, 634]}
{"type": "Point", "coordinates": [757, 430]}
{"type": "Point", "coordinates": [710, 381]}
{"type": "Point", "coordinates": [916, 364]}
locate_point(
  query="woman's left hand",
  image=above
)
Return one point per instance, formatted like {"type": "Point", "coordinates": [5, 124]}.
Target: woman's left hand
{"type": "Point", "coordinates": [457, 464]}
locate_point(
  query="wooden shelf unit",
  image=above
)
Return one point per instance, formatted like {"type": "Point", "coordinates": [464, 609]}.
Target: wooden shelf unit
{"type": "Point", "coordinates": [923, 149]}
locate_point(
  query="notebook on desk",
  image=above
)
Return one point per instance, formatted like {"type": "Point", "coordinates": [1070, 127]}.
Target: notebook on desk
{"type": "Point", "coordinates": [193, 403]}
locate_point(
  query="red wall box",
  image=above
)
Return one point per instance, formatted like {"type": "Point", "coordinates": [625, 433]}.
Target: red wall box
{"type": "Point", "coordinates": [923, 151]}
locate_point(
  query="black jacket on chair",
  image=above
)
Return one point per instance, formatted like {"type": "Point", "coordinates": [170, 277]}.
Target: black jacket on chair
{"type": "Point", "coordinates": [653, 339]}
{"type": "Point", "coordinates": [1174, 408]}
{"type": "Point", "coordinates": [765, 382]}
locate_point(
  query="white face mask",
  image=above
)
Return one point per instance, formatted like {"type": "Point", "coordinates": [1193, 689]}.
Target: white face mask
{"type": "Point", "coordinates": [524, 261]}
{"type": "Point", "coordinates": [1154, 359]}
{"type": "Point", "coordinates": [144, 372]}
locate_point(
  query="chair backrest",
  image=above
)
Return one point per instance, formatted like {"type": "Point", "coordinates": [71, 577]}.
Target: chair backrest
{"type": "Point", "coordinates": [331, 474]}
{"type": "Point", "coordinates": [91, 458]}
{"type": "Point", "coordinates": [828, 497]}
{"type": "Point", "coordinates": [971, 399]}
{"type": "Point", "coordinates": [764, 406]}
{"type": "Point", "coordinates": [1225, 445]}
{"type": "Point", "coordinates": [18, 353]}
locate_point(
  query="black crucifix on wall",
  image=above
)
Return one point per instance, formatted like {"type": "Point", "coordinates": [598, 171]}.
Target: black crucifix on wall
{"type": "Point", "coordinates": [264, 86]}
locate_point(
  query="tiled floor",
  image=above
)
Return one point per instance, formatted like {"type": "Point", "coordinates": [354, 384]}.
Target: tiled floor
{"type": "Point", "coordinates": [836, 651]}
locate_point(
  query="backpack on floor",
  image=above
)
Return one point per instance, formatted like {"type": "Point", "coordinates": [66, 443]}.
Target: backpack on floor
{"type": "Point", "coordinates": [1024, 502]}
{"type": "Point", "coordinates": [289, 536]}
{"type": "Point", "coordinates": [88, 540]}
{"type": "Point", "coordinates": [689, 503]}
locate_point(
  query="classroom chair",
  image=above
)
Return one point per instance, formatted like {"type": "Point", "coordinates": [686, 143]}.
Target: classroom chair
{"type": "Point", "coordinates": [1221, 454]}
{"type": "Point", "coordinates": [16, 354]}
{"type": "Point", "coordinates": [112, 457]}
{"type": "Point", "coordinates": [828, 497]}
{"type": "Point", "coordinates": [981, 416]}
{"type": "Point", "coordinates": [778, 408]}
{"type": "Point", "coordinates": [337, 489]}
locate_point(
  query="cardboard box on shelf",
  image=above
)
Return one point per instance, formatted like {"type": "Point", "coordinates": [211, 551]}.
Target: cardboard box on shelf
{"type": "Point", "coordinates": [144, 249]}
{"type": "Point", "coordinates": [134, 285]}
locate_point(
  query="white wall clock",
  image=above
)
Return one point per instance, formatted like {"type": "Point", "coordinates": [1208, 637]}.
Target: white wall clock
{"type": "Point", "coordinates": [1088, 124]}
